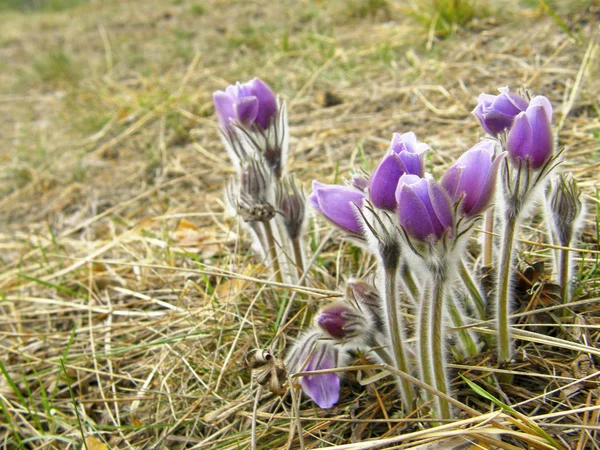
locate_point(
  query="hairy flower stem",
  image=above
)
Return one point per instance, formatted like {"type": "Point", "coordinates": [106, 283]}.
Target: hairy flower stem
{"type": "Point", "coordinates": [564, 270]}
{"type": "Point", "coordinates": [504, 285]}
{"type": "Point", "coordinates": [410, 283]}
{"type": "Point", "coordinates": [438, 345]}
{"type": "Point", "coordinates": [473, 289]}
{"type": "Point", "coordinates": [468, 345]}
{"type": "Point", "coordinates": [298, 257]}
{"type": "Point", "coordinates": [488, 240]}
{"type": "Point", "coordinates": [396, 329]}
{"type": "Point", "coordinates": [425, 320]}
{"type": "Point", "coordinates": [273, 251]}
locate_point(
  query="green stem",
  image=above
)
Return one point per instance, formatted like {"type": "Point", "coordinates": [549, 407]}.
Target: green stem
{"type": "Point", "coordinates": [563, 274]}
{"type": "Point", "coordinates": [298, 258]}
{"type": "Point", "coordinates": [425, 320]}
{"type": "Point", "coordinates": [468, 344]}
{"type": "Point", "coordinates": [473, 289]}
{"type": "Point", "coordinates": [438, 345]}
{"type": "Point", "coordinates": [488, 240]}
{"type": "Point", "coordinates": [409, 281]}
{"type": "Point", "coordinates": [273, 251]}
{"type": "Point", "coordinates": [504, 344]}
{"type": "Point", "coordinates": [396, 329]}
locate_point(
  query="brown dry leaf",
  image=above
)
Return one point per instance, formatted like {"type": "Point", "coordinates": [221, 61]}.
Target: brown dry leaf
{"type": "Point", "coordinates": [93, 443]}
{"type": "Point", "coordinates": [195, 240]}
{"type": "Point", "coordinates": [233, 286]}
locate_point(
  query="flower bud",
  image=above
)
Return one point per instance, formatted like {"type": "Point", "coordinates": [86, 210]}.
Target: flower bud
{"type": "Point", "coordinates": [530, 138]}
{"type": "Point", "coordinates": [496, 113]}
{"type": "Point", "coordinates": [424, 208]}
{"type": "Point", "coordinates": [252, 195]}
{"type": "Point", "coordinates": [472, 178]}
{"type": "Point", "coordinates": [405, 156]}
{"type": "Point", "coordinates": [248, 104]}
{"type": "Point", "coordinates": [336, 203]}
{"type": "Point", "coordinates": [292, 205]}
{"type": "Point", "coordinates": [341, 321]}
{"type": "Point", "coordinates": [565, 208]}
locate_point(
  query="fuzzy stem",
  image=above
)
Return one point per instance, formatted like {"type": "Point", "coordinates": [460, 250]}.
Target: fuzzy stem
{"type": "Point", "coordinates": [563, 274]}
{"type": "Point", "coordinates": [273, 251]}
{"type": "Point", "coordinates": [298, 259]}
{"type": "Point", "coordinates": [396, 328]}
{"type": "Point", "coordinates": [410, 283]}
{"type": "Point", "coordinates": [425, 320]}
{"type": "Point", "coordinates": [468, 344]}
{"type": "Point", "coordinates": [504, 285]}
{"type": "Point", "coordinates": [473, 289]}
{"type": "Point", "coordinates": [437, 344]}
{"type": "Point", "coordinates": [488, 240]}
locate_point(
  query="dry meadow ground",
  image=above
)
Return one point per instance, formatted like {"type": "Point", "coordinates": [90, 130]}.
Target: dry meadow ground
{"type": "Point", "coordinates": [128, 299]}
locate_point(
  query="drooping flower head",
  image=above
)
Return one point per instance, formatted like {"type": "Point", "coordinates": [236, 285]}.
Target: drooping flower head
{"type": "Point", "coordinates": [424, 208]}
{"type": "Point", "coordinates": [336, 203]}
{"type": "Point", "coordinates": [472, 178]}
{"type": "Point", "coordinates": [248, 104]}
{"type": "Point", "coordinates": [405, 156]}
{"type": "Point", "coordinates": [310, 353]}
{"type": "Point", "coordinates": [496, 113]}
{"type": "Point", "coordinates": [341, 321]}
{"type": "Point", "coordinates": [530, 138]}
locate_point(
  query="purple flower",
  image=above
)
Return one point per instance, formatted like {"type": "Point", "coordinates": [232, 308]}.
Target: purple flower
{"type": "Point", "coordinates": [473, 178]}
{"type": "Point", "coordinates": [249, 103]}
{"type": "Point", "coordinates": [496, 113]}
{"type": "Point", "coordinates": [424, 208]}
{"type": "Point", "coordinates": [336, 203]}
{"type": "Point", "coordinates": [341, 321]}
{"type": "Point", "coordinates": [530, 137]}
{"type": "Point", "coordinates": [324, 389]}
{"type": "Point", "coordinates": [405, 156]}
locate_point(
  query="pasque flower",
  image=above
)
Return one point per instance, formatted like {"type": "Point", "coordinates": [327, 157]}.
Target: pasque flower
{"type": "Point", "coordinates": [496, 113]}
{"type": "Point", "coordinates": [341, 321]}
{"type": "Point", "coordinates": [472, 178]}
{"type": "Point", "coordinates": [337, 204]}
{"type": "Point", "coordinates": [405, 156]}
{"type": "Point", "coordinates": [530, 137]}
{"type": "Point", "coordinates": [248, 103]}
{"type": "Point", "coordinates": [423, 207]}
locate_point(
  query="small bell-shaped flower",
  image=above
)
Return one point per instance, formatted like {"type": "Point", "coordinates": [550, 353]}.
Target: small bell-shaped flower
{"type": "Point", "coordinates": [496, 113]}
{"type": "Point", "coordinates": [248, 104]}
{"type": "Point", "coordinates": [472, 178]}
{"type": "Point", "coordinates": [405, 156]}
{"type": "Point", "coordinates": [341, 321]}
{"type": "Point", "coordinates": [337, 203]}
{"type": "Point", "coordinates": [530, 138]}
{"type": "Point", "coordinates": [424, 208]}
{"type": "Point", "coordinates": [313, 353]}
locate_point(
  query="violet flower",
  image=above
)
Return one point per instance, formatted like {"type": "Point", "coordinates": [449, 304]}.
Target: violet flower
{"type": "Point", "coordinates": [405, 156]}
{"type": "Point", "coordinates": [424, 208]}
{"type": "Point", "coordinates": [496, 113]}
{"type": "Point", "coordinates": [472, 178]}
{"type": "Point", "coordinates": [337, 204]}
{"type": "Point", "coordinates": [341, 321]}
{"type": "Point", "coordinates": [530, 138]}
{"type": "Point", "coordinates": [323, 388]}
{"type": "Point", "coordinates": [248, 103]}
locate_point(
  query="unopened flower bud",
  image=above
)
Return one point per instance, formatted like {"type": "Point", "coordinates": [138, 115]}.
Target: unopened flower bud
{"type": "Point", "coordinates": [341, 321]}
{"type": "Point", "coordinates": [496, 113]}
{"type": "Point", "coordinates": [291, 203]}
{"type": "Point", "coordinates": [366, 297]}
{"type": "Point", "coordinates": [254, 194]}
{"type": "Point", "coordinates": [565, 208]}
{"type": "Point", "coordinates": [337, 204]}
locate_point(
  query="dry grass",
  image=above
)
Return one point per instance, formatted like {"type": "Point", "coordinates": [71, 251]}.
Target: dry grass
{"type": "Point", "coordinates": [128, 299]}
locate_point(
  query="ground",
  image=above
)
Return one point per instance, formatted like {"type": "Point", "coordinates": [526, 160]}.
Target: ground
{"type": "Point", "coordinates": [129, 299]}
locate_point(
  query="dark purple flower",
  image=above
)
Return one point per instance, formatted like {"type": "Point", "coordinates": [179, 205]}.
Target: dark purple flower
{"type": "Point", "coordinates": [424, 208]}
{"type": "Point", "coordinates": [341, 321]}
{"type": "Point", "coordinates": [496, 113]}
{"type": "Point", "coordinates": [405, 156]}
{"type": "Point", "coordinates": [530, 137]}
{"type": "Point", "coordinates": [473, 178]}
{"type": "Point", "coordinates": [336, 203]}
{"type": "Point", "coordinates": [324, 388]}
{"type": "Point", "coordinates": [249, 103]}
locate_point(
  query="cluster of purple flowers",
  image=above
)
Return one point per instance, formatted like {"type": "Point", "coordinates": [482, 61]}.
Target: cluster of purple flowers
{"type": "Point", "coordinates": [414, 225]}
